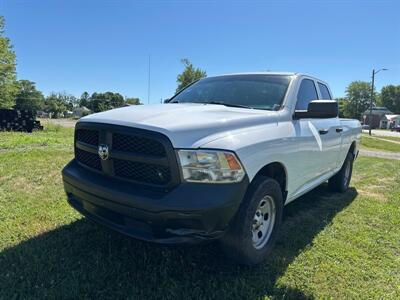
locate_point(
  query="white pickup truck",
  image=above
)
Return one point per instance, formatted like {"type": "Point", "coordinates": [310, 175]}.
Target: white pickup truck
{"type": "Point", "coordinates": [220, 160]}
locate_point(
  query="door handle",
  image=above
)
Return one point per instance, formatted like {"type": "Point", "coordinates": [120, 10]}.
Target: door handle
{"type": "Point", "coordinates": [323, 131]}
{"type": "Point", "coordinates": [340, 129]}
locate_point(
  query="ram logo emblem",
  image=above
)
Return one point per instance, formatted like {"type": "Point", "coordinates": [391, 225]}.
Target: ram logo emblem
{"type": "Point", "coordinates": [103, 151]}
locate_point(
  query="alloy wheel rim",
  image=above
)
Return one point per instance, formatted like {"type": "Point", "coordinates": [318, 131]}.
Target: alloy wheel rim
{"type": "Point", "coordinates": [263, 222]}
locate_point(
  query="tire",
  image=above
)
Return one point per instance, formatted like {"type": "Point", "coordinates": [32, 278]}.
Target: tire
{"type": "Point", "coordinates": [340, 182]}
{"type": "Point", "coordinates": [262, 204]}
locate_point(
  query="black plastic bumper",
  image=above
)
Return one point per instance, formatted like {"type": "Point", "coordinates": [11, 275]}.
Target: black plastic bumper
{"type": "Point", "coordinates": [189, 213]}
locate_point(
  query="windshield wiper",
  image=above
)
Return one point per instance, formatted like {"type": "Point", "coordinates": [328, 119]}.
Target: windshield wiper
{"type": "Point", "coordinates": [227, 104]}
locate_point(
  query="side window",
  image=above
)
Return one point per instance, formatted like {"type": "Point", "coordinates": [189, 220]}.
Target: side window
{"type": "Point", "coordinates": [324, 91]}
{"type": "Point", "coordinates": [307, 92]}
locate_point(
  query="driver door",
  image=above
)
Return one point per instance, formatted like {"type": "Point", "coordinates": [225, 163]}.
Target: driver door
{"type": "Point", "coordinates": [319, 139]}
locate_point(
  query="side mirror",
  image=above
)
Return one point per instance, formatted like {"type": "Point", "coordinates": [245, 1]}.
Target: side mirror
{"type": "Point", "coordinates": [319, 109]}
{"type": "Point", "coordinates": [166, 100]}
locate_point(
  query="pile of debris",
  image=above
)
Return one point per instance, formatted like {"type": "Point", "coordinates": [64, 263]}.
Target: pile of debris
{"type": "Point", "coordinates": [18, 120]}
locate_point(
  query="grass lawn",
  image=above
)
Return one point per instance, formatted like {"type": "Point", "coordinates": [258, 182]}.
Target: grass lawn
{"type": "Point", "coordinates": [53, 136]}
{"type": "Point", "coordinates": [391, 138]}
{"type": "Point", "coordinates": [371, 143]}
{"type": "Point", "coordinates": [331, 245]}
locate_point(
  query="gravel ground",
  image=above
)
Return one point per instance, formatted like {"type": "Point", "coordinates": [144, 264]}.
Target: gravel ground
{"type": "Point", "coordinates": [63, 122]}
{"type": "Point", "coordinates": [378, 132]}
{"type": "Point", "coordinates": [386, 140]}
{"type": "Point", "coordinates": [381, 154]}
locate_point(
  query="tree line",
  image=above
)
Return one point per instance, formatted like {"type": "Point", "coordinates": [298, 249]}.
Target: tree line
{"type": "Point", "coordinates": [60, 104]}
{"type": "Point", "coordinates": [358, 97]}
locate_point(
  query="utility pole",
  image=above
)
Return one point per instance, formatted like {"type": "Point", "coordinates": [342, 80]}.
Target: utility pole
{"type": "Point", "coordinates": [148, 85]}
{"type": "Point", "coordinates": [371, 101]}
{"type": "Point", "coordinates": [372, 96]}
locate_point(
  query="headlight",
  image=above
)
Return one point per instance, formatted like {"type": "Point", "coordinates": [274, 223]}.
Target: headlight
{"type": "Point", "coordinates": [209, 166]}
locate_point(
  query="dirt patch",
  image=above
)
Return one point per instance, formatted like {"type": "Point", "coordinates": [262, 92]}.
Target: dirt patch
{"type": "Point", "coordinates": [380, 197]}
{"type": "Point", "coordinates": [380, 154]}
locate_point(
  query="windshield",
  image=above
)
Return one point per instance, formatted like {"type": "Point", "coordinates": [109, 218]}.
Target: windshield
{"type": "Point", "coordinates": [252, 91]}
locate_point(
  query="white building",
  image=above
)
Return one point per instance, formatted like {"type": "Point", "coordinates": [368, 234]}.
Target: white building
{"type": "Point", "coordinates": [389, 121]}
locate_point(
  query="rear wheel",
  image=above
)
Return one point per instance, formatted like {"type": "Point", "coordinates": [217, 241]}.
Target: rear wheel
{"type": "Point", "coordinates": [254, 229]}
{"type": "Point", "coordinates": [340, 182]}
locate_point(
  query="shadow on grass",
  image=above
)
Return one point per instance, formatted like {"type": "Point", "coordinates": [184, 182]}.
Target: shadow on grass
{"type": "Point", "coordinates": [86, 260]}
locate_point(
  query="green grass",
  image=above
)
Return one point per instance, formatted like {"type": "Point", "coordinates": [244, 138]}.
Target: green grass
{"type": "Point", "coordinates": [390, 138]}
{"type": "Point", "coordinates": [330, 246]}
{"type": "Point", "coordinates": [371, 143]}
{"type": "Point", "coordinates": [54, 136]}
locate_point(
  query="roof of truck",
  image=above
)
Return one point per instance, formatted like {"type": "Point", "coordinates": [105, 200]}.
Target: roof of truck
{"type": "Point", "coordinates": [260, 73]}
{"type": "Point", "coordinates": [271, 73]}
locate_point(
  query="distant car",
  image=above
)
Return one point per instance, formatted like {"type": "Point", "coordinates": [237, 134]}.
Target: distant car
{"type": "Point", "coordinates": [396, 128]}
{"type": "Point", "coordinates": [365, 126]}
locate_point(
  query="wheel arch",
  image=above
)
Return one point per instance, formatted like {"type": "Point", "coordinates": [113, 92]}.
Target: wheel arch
{"type": "Point", "coordinates": [353, 148]}
{"type": "Point", "coordinates": [277, 171]}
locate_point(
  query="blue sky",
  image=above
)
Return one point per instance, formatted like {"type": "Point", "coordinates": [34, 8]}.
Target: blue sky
{"type": "Point", "coordinates": [77, 46]}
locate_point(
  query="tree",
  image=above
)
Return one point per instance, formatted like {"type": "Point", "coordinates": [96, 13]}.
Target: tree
{"type": "Point", "coordinates": [189, 74]}
{"type": "Point", "coordinates": [390, 97]}
{"type": "Point", "coordinates": [69, 101]}
{"type": "Point", "coordinates": [358, 94]}
{"type": "Point", "coordinates": [56, 104]}
{"type": "Point", "coordinates": [132, 101]}
{"type": "Point", "coordinates": [8, 81]}
{"type": "Point", "coordinates": [84, 99]}
{"type": "Point", "coordinates": [28, 97]}
{"type": "Point", "coordinates": [105, 101]}
{"type": "Point", "coordinates": [342, 103]}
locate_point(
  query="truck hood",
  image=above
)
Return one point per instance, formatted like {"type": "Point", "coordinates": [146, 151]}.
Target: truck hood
{"type": "Point", "coordinates": [188, 125]}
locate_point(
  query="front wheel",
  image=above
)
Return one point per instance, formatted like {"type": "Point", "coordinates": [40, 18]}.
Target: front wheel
{"type": "Point", "coordinates": [253, 232]}
{"type": "Point", "coordinates": [340, 182]}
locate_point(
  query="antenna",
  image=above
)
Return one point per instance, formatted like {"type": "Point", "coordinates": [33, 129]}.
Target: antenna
{"type": "Point", "coordinates": [148, 85]}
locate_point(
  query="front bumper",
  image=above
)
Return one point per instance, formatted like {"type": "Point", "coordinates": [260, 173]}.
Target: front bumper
{"type": "Point", "coordinates": [189, 213]}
